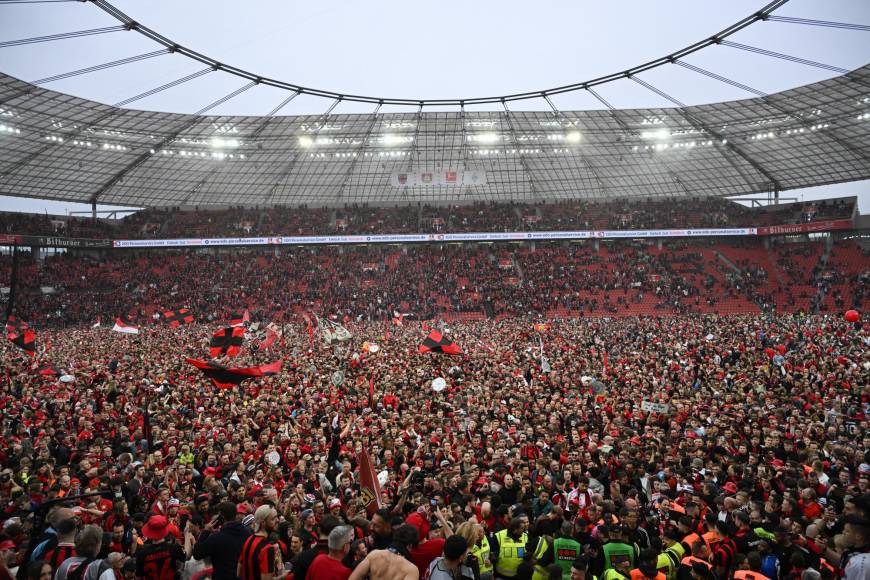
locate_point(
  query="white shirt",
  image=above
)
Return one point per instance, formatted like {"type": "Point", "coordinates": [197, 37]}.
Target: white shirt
{"type": "Point", "coordinates": [857, 568]}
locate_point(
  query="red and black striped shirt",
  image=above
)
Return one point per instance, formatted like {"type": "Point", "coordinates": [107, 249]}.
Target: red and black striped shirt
{"type": "Point", "coordinates": [257, 558]}
{"type": "Point", "coordinates": [55, 556]}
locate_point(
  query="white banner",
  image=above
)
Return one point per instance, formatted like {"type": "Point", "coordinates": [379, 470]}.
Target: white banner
{"type": "Point", "coordinates": [431, 178]}
{"type": "Point", "coordinates": [421, 238]}
{"type": "Point", "coordinates": [650, 407]}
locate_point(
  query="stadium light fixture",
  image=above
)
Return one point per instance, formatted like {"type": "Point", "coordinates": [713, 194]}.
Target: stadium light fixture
{"type": "Point", "coordinates": [488, 137]}
{"type": "Point", "coordinates": [660, 134]}
{"type": "Point", "coordinates": [573, 137]}
{"type": "Point", "coordinates": [224, 142]}
{"type": "Point", "coordinates": [391, 139]}
{"type": "Point", "coordinates": [305, 141]}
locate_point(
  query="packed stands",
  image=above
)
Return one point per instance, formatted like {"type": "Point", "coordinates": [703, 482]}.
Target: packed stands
{"type": "Point", "coordinates": [480, 217]}
{"type": "Point", "coordinates": [620, 278]}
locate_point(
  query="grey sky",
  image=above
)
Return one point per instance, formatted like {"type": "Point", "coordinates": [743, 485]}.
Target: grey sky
{"type": "Point", "coordinates": [448, 48]}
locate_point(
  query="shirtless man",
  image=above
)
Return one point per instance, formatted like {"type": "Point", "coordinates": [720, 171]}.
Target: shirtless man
{"type": "Point", "coordinates": [392, 563]}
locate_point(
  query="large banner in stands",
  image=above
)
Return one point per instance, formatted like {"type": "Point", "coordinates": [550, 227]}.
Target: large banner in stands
{"type": "Point", "coordinates": [437, 238]}
{"type": "Point", "coordinates": [805, 228]}
{"type": "Point", "coordinates": [54, 241]}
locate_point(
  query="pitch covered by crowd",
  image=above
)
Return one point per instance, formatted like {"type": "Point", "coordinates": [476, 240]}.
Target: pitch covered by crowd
{"type": "Point", "coordinates": [697, 447]}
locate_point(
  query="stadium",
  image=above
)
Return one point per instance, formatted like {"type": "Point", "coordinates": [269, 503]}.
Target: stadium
{"type": "Point", "coordinates": [259, 330]}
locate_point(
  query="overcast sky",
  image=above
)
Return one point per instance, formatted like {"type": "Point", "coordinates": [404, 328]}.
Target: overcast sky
{"type": "Point", "coordinates": [443, 49]}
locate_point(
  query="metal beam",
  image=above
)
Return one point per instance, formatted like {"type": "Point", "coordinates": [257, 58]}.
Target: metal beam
{"type": "Point", "coordinates": [525, 166]}
{"type": "Point", "coordinates": [622, 124]}
{"type": "Point", "coordinates": [589, 167]}
{"type": "Point", "coordinates": [288, 168]}
{"type": "Point", "coordinates": [720, 139]}
{"type": "Point", "coordinates": [115, 111]}
{"type": "Point", "coordinates": [142, 158]}
{"type": "Point", "coordinates": [717, 38]}
{"type": "Point", "coordinates": [361, 152]}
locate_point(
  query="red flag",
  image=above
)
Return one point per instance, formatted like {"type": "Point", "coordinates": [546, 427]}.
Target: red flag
{"type": "Point", "coordinates": [372, 390]}
{"type": "Point", "coordinates": [604, 360]}
{"type": "Point", "coordinates": [271, 337]}
{"type": "Point", "coordinates": [370, 489]}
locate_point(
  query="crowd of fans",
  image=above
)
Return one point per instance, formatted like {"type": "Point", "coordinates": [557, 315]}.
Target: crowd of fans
{"type": "Point", "coordinates": [540, 459]}
{"type": "Point", "coordinates": [620, 411]}
{"type": "Point", "coordinates": [413, 218]}
{"type": "Point", "coordinates": [618, 279]}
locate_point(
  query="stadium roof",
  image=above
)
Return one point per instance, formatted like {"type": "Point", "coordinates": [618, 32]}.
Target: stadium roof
{"type": "Point", "coordinates": [56, 146]}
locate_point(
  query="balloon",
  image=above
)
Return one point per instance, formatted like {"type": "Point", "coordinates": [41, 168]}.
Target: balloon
{"type": "Point", "coordinates": [439, 384]}
{"type": "Point", "coordinates": [779, 359]}
{"type": "Point", "coordinates": [374, 348]}
{"type": "Point", "coordinates": [842, 360]}
{"type": "Point", "coordinates": [67, 378]}
{"type": "Point", "coordinates": [852, 316]}
{"type": "Point", "coordinates": [770, 352]}
{"type": "Point", "coordinates": [780, 348]}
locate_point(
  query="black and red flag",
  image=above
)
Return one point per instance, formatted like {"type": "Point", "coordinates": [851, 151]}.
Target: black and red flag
{"type": "Point", "coordinates": [48, 371]}
{"type": "Point", "coordinates": [176, 318]}
{"type": "Point", "coordinates": [240, 318]}
{"type": "Point", "coordinates": [226, 378]}
{"type": "Point", "coordinates": [437, 342]}
{"type": "Point", "coordinates": [227, 341]}
{"type": "Point", "coordinates": [19, 333]}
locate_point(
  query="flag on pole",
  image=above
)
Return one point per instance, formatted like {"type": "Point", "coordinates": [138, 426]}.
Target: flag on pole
{"type": "Point", "coordinates": [21, 335]}
{"type": "Point", "coordinates": [240, 318]}
{"type": "Point", "coordinates": [124, 325]}
{"type": "Point", "coordinates": [370, 489]}
{"type": "Point", "coordinates": [332, 332]}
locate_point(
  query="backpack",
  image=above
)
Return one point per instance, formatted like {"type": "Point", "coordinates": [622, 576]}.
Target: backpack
{"type": "Point", "coordinates": [79, 572]}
